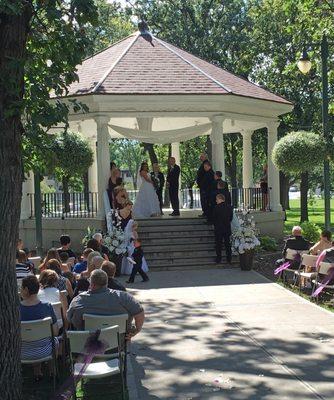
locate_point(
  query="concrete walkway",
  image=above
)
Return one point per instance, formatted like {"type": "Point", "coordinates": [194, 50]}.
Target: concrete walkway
{"type": "Point", "coordinates": [227, 334]}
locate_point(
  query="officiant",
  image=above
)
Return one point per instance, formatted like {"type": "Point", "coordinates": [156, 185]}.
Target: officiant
{"type": "Point", "coordinates": [158, 179]}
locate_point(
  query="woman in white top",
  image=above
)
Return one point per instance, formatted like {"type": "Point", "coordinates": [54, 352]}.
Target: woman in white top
{"type": "Point", "coordinates": [147, 202]}
{"type": "Point", "coordinates": [49, 293]}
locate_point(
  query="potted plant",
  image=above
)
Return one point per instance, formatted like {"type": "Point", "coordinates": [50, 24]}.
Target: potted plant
{"type": "Point", "coordinates": [244, 240]}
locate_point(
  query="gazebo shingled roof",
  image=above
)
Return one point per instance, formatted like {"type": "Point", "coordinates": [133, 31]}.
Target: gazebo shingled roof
{"type": "Point", "coordinates": [134, 66]}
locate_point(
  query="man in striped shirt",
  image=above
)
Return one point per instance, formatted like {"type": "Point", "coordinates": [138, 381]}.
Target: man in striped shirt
{"type": "Point", "coordinates": [22, 269]}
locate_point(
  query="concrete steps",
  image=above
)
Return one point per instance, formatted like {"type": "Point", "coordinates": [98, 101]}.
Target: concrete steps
{"type": "Point", "coordinates": [178, 243]}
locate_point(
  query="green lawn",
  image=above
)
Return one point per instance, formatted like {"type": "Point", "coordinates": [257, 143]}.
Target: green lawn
{"type": "Point", "coordinates": [316, 213]}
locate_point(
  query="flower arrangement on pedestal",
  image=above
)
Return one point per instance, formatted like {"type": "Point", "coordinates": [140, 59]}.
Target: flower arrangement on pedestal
{"type": "Point", "coordinates": [244, 239]}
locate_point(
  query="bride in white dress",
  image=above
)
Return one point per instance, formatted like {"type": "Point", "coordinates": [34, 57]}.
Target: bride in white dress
{"type": "Point", "coordinates": [147, 202]}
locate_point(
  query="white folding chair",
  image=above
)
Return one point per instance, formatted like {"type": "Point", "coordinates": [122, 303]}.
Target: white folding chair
{"type": "Point", "coordinates": [308, 260]}
{"type": "Point", "coordinates": [322, 271]}
{"type": "Point", "coordinates": [95, 370]}
{"type": "Point", "coordinates": [290, 256]}
{"type": "Point", "coordinates": [93, 322]}
{"type": "Point", "coordinates": [32, 331]}
{"type": "Point", "coordinates": [36, 261]}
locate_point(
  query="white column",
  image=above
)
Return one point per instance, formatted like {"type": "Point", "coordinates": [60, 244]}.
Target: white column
{"type": "Point", "coordinates": [247, 159]}
{"type": "Point", "coordinates": [92, 171]}
{"type": "Point", "coordinates": [217, 140]}
{"type": "Point", "coordinates": [27, 189]}
{"type": "Point", "coordinates": [273, 173]}
{"type": "Point", "coordinates": [103, 161]}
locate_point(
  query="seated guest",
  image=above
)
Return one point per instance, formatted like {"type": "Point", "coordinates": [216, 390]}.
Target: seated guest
{"type": "Point", "coordinates": [52, 254]}
{"type": "Point", "coordinates": [110, 269]}
{"type": "Point", "coordinates": [64, 261]}
{"type": "Point", "coordinates": [294, 242]}
{"type": "Point", "coordinates": [95, 245]}
{"type": "Point", "coordinates": [48, 281]}
{"type": "Point", "coordinates": [23, 259]}
{"type": "Point", "coordinates": [71, 277]}
{"type": "Point", "coordinates": [63, 283]}
{"type": "Point", "coordinates": [324, 243]}
{"type": "Point", "coordinates": [31, 308]}
{"type": "Point", "coordinates": [22, 269]}
{"type": "Point", "coordinates": [103, 249]}
{"type": "Point", "coordinates": [19, 244]}
{"type": "Point", "coordinates": [82, 266]}
{"type": "Point", "coordinates": [65, 243]}
{"type": "Point", "coordinates": [103, 301]}
{"type": "Point", "coordinates": [94, 261]}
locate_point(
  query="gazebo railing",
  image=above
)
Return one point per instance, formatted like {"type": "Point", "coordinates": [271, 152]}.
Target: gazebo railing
{"type": "Point", "coordinates": [71, 205]}
{"type": "Point", "coordinates": [85, 205]}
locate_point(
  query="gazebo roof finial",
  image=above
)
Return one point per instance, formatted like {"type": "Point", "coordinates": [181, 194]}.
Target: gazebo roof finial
{"type": "Point", "coordinates": [144, 31]}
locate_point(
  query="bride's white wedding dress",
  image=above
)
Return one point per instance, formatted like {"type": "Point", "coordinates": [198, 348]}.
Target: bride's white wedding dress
{"type": "Point", "coordinates": [147, 202]}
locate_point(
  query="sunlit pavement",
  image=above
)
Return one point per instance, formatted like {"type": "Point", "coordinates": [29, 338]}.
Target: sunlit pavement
{"type": "Point", "coordinates": [227, 334]}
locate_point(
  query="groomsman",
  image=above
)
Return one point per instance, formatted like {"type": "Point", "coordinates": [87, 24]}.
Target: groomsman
{"type": "Point", "coordinates": [173, 185]}
{"type": "Point", "coordinates": [159, 176]}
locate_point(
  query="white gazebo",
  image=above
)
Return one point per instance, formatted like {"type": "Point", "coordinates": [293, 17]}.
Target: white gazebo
{"type": "Point", "coordinates": [146, 89]}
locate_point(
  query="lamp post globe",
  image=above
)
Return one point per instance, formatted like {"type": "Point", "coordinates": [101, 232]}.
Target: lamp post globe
{"type": "Point", "coordinates": [304, 64]}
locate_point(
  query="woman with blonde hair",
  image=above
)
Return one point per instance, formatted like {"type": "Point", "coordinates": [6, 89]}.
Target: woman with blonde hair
{"type": "Point", "coordinates": [50, 255]}
{"type": "Point", "coordinates": [94, 261]}
{"type": "Point", "coordinates": [63, 283]}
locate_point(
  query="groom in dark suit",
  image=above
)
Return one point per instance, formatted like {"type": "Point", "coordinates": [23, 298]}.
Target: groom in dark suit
{"type": "Point", "coordinates": [173, 185]}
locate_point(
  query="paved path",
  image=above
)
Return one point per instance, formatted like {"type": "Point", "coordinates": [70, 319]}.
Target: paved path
{"type": "Point", "coordinates": [227, 334]}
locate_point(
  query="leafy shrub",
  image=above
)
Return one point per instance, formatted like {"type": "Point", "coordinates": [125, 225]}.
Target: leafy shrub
{"type": "Point", "coordinates": [268, 243]}
{"type": "Point", "coordinates": [311, 231]}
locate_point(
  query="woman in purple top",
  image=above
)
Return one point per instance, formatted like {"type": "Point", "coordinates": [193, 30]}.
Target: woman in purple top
{"type": "Point", "coordinates": [31, 309]}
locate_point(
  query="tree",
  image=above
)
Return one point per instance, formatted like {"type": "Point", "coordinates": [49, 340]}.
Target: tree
{"type": "Point", "coordinates": [127, 154]}
{"type": "Point", "coordinates": [299, 153]}
{"type": "Point", "coordinates": [72, 158]}
{"type": "Point", "coordinates": [41, 42]}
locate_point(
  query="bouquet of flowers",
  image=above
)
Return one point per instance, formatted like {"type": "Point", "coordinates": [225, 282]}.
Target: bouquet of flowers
{"type": "Point", "coordinates": [244, 238]}
{"type": "Point", "coordinates": [156, 181]}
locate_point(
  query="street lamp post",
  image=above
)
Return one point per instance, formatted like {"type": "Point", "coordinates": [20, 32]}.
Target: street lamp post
{"type": "Point", "coordinates": [304, 66]}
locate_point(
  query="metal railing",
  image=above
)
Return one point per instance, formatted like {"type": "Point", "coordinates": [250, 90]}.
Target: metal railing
{"type": "Point", "coordinates": [85, 205]}
{"type": "Point", "coordinates": [71, 205]}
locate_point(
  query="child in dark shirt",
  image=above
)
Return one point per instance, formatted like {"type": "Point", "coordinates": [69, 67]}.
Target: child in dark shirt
{"type": "Point", "coordinates": [137, 256]}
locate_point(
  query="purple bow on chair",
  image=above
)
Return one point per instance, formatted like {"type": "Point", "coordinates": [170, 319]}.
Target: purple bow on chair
{"type": "Point", "coordinates": [324, 282]}
{"type": "Point", "coordinates": [287, 264]}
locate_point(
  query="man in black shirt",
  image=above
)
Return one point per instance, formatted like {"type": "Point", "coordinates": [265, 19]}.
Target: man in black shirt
{"type": "Point", "coordinates": [200, 173]}
{"type": "Point", "coordinates": [222, 218]}
{"type": "Point", "coordinates": [294, 242]}
{"type": "Point", "coordinates": [173, 185]}
{"type": "Point", "coordinates": [206, 187]}
{"type": "Point", "coordinates": [65, 243]}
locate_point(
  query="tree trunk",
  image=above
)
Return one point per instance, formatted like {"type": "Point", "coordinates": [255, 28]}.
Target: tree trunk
{"type": "Point", "coordinates": [233, 169]}
{"type": "Point", "coordinates": [191, 195]}
{"type": "Point", "coordinates": [66, 194]}
{"type": "Point", "coordinates": [13, 36]}
{"type": "Point", "coordinates": [303, 197]}
{"type": "Point", "coordinates": [284, 190]}
{"type": "Point", "coordinates": [149, 148]}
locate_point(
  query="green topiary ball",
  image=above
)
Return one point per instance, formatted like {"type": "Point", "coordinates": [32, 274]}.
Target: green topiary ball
{"type": "Point", "coordinates": [299, 152]}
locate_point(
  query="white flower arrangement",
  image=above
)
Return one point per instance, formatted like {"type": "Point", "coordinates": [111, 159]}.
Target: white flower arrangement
{"type": "Point", "coordinates": [244, 237]}
{"type": "Point", "coordinates": [114, 240]}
